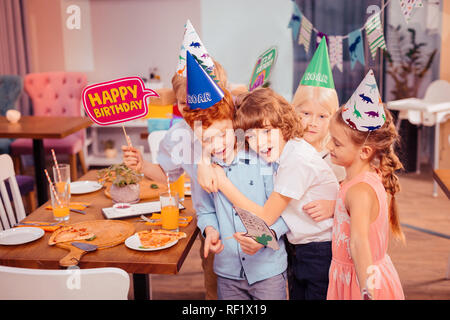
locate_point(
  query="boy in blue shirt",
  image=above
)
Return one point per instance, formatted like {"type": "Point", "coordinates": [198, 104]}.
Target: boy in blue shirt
{"type": "Point", "coordinates": [245, 268]}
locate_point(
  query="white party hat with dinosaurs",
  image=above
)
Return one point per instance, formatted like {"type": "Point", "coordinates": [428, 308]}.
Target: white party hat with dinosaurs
{"type": "Point", "coordinates": [192, 42]}
{"type": "Point", "coordinates": [364, 110]}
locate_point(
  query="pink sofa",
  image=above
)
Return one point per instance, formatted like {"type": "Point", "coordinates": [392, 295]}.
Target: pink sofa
{"type": "Point", "coordinates": [56, 94]}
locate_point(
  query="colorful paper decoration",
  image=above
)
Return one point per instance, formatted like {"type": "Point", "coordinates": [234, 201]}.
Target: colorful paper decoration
{"type": "Point", "coordinates": [192, 42]}
{"type": "Point", "coordinates": [336, 53]}
{"type": "Point", "coordinates": [295, 21]}
{"type": "Point", "coordinates": [262, 69]}
{"type": "Point", "coordinates": [356, 47]}
{"type": "Point", "coordinates": [305, 33]}
{"type": "Point", "coordinates": [374, 33]}
{"type": "Point", "coordinates": [257, 229]}
{"type": "Point", "coordinates": [202, 91]}
{"type": "Point", "coordinates": [364, 110]}
{"type": "Point", "coordinates": [318, 73]}
{"type": "Point", "coordinates": [407, 7]}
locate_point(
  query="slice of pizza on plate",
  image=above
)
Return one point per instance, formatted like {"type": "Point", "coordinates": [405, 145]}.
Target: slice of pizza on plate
{"type": "Point", "coordinates": [66, 234]}
{"type": "Point", "coordinates": [158, 238]}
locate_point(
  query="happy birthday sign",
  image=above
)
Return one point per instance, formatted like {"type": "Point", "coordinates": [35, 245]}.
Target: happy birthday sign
{"type": "Point", "coordinates": [117, 100]}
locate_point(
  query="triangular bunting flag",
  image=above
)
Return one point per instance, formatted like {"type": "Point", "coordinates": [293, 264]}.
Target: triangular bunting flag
{"type": "Point", "coordinates": [407, 6]}
{"type": "Point", "coordinates": [305, 33]}
{"type": "Point", "coordinates": [202, 91]}
{"type": "Point", "coordinates": [336, 54]}
{"type": "Point", "coordinates": [364, 110]}
{"type": "Point", "coordinates": [294, 23]}
{"type": "Point", "coordinates": [374, 33]}
{"type": "Point", "coordinates": [356, 47]}
{"type": "Point", "coordinates": [318, 73]}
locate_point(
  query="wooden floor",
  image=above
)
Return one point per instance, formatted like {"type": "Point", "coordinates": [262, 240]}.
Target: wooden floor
{"type": "Point", "coordinates": [421, 263]}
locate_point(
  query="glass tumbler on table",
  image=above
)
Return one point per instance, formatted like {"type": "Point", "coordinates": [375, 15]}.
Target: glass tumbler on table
{"type": "Point", "coordinates": [60, 196]}
{"type": "Point", "coordinates": [169, 210]}
{"type": "Point", "coordinates": [63, 176]}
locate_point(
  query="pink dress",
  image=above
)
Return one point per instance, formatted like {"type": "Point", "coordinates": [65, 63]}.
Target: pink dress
{"type": "Point", "coordinates": [343, 282]}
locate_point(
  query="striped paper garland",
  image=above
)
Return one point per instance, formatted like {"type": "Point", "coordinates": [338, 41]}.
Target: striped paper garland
{"type": "Point", "coordinates": [336, 52]}
{"type": "Point", "coordinates": [305, 33]}
{"type": "Point", "coordinates": [374, 33]}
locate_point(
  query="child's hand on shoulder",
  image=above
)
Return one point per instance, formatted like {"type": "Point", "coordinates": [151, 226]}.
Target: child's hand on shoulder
{"type": "Point", "coordinates": [212, 241]}
{"type": "Point", "coordinates": [320, 210]}
{"type": "Point", "coordinates": [220, 175]}
{"type": "Point", "coordinates": [132, 158]}
{"type": "Point", "coordinates": [248, 245]}
{"type": "Point", "coordinates": [207, 177]}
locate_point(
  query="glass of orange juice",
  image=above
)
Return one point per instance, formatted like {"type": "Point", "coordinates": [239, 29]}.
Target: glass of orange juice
{"type": "Point", "coordinates": [60, 195]}
{"type": "Point", "coordinates": [169, 210]}
{"type": "Point", "coordinates": [178, 186]}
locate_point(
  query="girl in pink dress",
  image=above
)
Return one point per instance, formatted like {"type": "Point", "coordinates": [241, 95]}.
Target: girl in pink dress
{"type": "Point", "coordinates": [360, 266]}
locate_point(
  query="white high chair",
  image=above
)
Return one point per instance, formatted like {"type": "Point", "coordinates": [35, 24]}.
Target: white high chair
{"type": "Point", "coordinates": [432, 110]}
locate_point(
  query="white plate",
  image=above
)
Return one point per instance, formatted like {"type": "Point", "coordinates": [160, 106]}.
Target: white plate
{"type": "Point", "coordinates": [20, 235]}
{"type": "Point", "coordinates": [134, 243]}
{"type": "Point", "coordinates": [80, 187]}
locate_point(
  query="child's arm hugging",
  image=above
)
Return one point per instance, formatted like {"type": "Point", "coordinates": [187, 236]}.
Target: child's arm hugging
{"type": "Point", "coordinates": [272, 209]}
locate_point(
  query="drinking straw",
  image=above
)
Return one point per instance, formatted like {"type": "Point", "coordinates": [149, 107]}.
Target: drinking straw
{"type": "Point", "coordinates": [52, 188]}
{"type": "Point", "coordinates": [56, 165]}
{"type": "Point", "coordinates": [168, 186]}
{"type": "Point", "coordinates": [127, 137]}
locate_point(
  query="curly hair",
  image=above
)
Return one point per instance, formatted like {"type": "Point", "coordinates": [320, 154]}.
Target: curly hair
{"type": "Point", "coordinates": [263, 107]}
{"type": "Point", "coordinates": [384, 159]}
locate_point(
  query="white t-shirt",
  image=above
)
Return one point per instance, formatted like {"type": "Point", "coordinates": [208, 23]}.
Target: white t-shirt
{"type": "Point", "coordinates": [304, 176]}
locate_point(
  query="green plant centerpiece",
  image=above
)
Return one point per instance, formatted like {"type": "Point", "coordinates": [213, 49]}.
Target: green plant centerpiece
{"type": "Point", "coordinates": [125, 183]}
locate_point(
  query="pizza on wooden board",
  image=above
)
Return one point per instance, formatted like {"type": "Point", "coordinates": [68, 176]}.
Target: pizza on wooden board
{"type": "Point", "coordinates": [158, 238]}
{"type": "Point", "coordinates": [66, 234]}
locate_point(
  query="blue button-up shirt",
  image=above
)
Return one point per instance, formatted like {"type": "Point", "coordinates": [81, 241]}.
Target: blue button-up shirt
{"type": "Point", "coordinates": [252, 176]}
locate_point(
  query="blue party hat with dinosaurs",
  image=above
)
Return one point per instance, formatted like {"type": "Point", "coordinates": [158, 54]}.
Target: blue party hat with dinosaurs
{"type": "Point", "coordinates": [202, 91]}
{"type": "Point", "coordinates": [364, 110]}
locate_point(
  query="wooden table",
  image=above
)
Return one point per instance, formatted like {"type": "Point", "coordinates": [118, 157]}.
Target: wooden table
{"type": "Point", "coordinates": [442, 177]}
{"type": "Point", "coordinates": [39, 128]}
{"type": "Point", "coordinates": [40, 255]}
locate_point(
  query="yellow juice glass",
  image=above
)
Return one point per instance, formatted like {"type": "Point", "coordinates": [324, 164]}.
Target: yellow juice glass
{"type": "Point", "coordinates": [60, 196]}
{"type": "Point", "coordinates": [178, 186]}
{"type": "Point", "coordinates": [169, 210]}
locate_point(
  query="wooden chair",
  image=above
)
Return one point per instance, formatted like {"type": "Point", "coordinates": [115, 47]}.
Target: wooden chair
{"type": "Point", "coordinates": [9, 215]}
{"type": "Point", "coordinates": [70, 284]}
